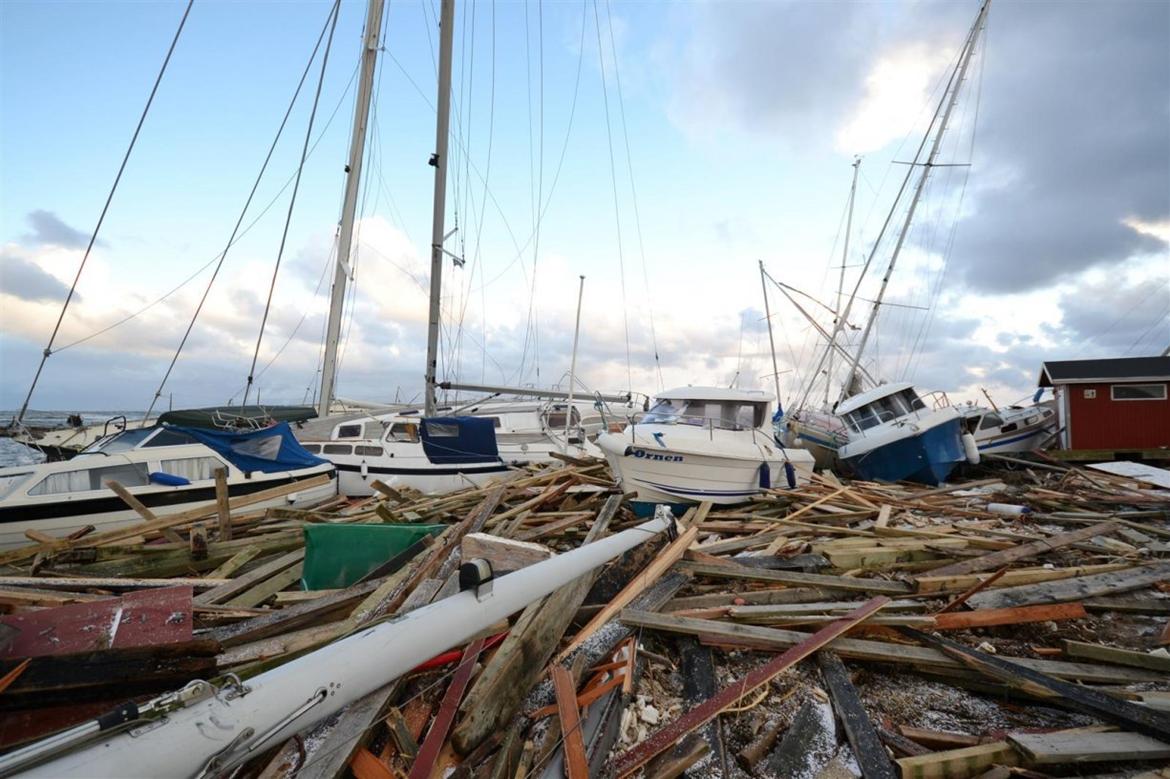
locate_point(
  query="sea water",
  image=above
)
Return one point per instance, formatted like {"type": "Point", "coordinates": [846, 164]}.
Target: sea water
{"type": "Point", "coordinates": [13, 453]}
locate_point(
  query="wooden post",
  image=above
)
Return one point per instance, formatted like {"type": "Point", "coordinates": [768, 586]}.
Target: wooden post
{"type": "Point", "coordinates": [222, 509]}
{"type": "Point", "coordinates": [576, 764]}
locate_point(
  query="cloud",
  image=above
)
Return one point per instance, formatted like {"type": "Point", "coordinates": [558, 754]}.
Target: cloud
{"type": "Point", "coordinates": [23, 279]}
{"type": "Point", "coordinates": [49, 230]}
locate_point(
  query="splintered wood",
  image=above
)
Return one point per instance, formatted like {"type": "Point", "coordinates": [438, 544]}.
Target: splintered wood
{"type": "Point", "coordinates": [841, 629]}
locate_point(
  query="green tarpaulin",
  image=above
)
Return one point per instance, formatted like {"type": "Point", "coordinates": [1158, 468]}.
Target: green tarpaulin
{"type": "Point", "coordinates": [339, 555]}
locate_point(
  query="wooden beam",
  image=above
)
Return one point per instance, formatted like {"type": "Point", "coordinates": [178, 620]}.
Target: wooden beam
{"type": "Point", "coordinates": [436, 737]}
{"type": "Point", "coordinates": [791, 755]}
{"type": "Point", "coordinates": [958, 763]}
{"type": "Point", "coordinates": [1024, 551]}
{"type": "Point", "coordinates": [223, 508]}
{"type": "Point", "coordinates": [1108, 654]}
{"type": "Point", "coordinates": [231, 589]}
{"type": "Point", "coordinates": [867, 747]}
{"type": "Point", "coordinates": [1081, 698]}
{"type": "Point", "coordinates": [979, 586]}
{"type": "Point", "coordinates": [928, 585]}
{"type": "Point", "coordinates": [1074, 589]}
{"type": "Point", "coordinates": [576, 765]}
{"type": "Point", "coordinates": [1078, 747]}
{"type": "Point", "coordinates": [1010, 616]}
{"type": "Point", "coordinates": [734, 571]}
{"type": "Point", "coordinates": [695, 717]}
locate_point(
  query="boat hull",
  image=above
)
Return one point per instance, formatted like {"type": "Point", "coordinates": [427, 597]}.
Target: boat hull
{"type": "Point", "coordinates": [356, 475]}
{"type": "Point", "coordinates": [926, 453]}
{"type": "Point", "coordinates": [109, 512]}
{"type": "Point", "coordinates": [681, 477]}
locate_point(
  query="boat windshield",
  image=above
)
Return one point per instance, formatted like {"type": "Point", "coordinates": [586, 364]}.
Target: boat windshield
{"type": "Point", "coordinates": [121, 442]}
{"type": "Point", "coordinates": [9, 482]}
{"type": "Point", "coordinates": [723, 414]}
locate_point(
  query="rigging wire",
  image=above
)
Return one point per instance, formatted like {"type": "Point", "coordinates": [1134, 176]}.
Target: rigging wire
{"type": "Point", "coordinates": [102, 217]}
{"type": "Point", "coordinates": [243, 213]}
{"type": "Point", "coordinates": [1142, 337]}
{"type": "Point", "coordinates": [616, 202]}
{"type": "Point", "coordinates": [263, 212]}
{"type": "Point", "coordinates": [292, 202]}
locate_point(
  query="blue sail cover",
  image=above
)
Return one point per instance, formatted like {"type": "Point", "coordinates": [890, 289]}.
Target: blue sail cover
{"type": "Point", "coordinates": [459, 440]}
{"type": "Point", "coordinates": [271, 450]}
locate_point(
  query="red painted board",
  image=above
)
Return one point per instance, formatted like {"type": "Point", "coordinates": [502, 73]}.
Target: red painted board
{"type": "Point", "coordinates": [144, 618]}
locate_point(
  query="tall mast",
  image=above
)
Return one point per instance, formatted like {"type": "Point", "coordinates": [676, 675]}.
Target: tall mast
{"type": "Point", "coordinates": [573, 361]}
{"type": "Point", "coordinates": [957, 79]}
{"type": "Point", "coordinates": [771, 340]}
{"type": "Point", "coordinates": [357, 145]}
{"type": "Point", "coordinates": [841, 278]}
{"type": "Point", "coordinates": [439, 161]}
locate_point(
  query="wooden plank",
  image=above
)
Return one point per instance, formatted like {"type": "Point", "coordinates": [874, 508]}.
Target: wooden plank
{"type": "Point", "coordinates": [254, 596]}
{"type": "Point", "coordinates": [1108, 654]}
{"type": "Point", "coordinates": [504, 554]}
{"type": "Point", "coordinates": [867, 747]}
{"type": "Point", "coordinates": [940, 584]}
{"type": "Point", "coordinates": [873, 651]}
{"type": "Point", "coordinates": [663, 561]}
{"type": "Point", "coordinates": [1079, 747]}
{"type": "Point", "coordinates": [938, 739]}
{"type": "Point", "coordinates": [106, 583]}
{"type": "Point", "coordinates": [979, 586]}
{"type": "Point", "coordinates": [1074, 589]}
{"type": "Point", "coordinates": [428, 753]}
{"type": "Point", "coordinates": [958, 763]}
{"type": "Point", "coordinates": [697, 716]}
{"type": "Point", "coordinates": [231, 589]}
{"type": "Point", "coordinates": [1079, 697]}
{"type": "Point", "coordinates": [366, 766]}
{"type": "Point", "coordinates": [576, 765]}
{"type": "Point", "coordinates": [223, 509]}
{"type": "Point", "coordinates": [169, 521]}
{"type": "Point", "coordinates": [1010, 616]}
{"type": "Point", "coordinates": [234, 563]}
{"type": "Point", "coordinates": [1024, 551]}
{"type": "Point", "coordinates": [732, 571]}
{"type": "Point", "coordinates": [792, 755]}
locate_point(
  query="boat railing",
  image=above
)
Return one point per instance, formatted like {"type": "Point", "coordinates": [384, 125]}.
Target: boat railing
{"type": "Point", "coordinates": [937, 399]}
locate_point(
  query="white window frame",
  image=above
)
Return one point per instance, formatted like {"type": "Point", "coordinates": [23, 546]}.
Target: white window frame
{"type": "Point", "coordinates": [1113, 392]}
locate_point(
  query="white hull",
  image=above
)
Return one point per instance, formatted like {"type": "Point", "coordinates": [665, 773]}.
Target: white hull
{"type": "Point", "coordinates": [728, 473]}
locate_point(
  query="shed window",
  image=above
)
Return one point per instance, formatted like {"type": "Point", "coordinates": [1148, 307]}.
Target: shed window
{"type": "Point", "coordinates": [1138, 392]}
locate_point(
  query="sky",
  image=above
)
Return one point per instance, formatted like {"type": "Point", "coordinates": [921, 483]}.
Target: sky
{"type": "Point", "coordinates": [660, 150]}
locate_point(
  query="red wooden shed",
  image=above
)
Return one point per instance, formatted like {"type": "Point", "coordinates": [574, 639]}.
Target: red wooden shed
{"type": "Point", "coordinates": [1113, 404]}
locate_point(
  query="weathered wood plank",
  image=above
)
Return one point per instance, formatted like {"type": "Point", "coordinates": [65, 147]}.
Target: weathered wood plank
{"type": "Point", "coordinates": [1024, 551]}
{"type": "Point", "coordinates": [732, 571]}
{"type": "Point", "coordinates": [867, 747]}
{"type": "Point", "coordinates": [1108, 654]}
{"type": "Point", "coordinates": [1074, 589]}
{"type": "Point", "coordinates": [962, 620]}
{"type": "Point", "coordinates": [428, 752]}
{"type": "Point", "coordinates": [958, 763]}
{"type": "Point", "coordinates": [1080, 747]}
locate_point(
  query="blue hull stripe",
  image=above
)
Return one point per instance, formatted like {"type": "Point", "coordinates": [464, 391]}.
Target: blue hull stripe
{"type": "Point", "coordinates": [1005, 441]}
{"type": "Point", "coordinates": [684, 491]}
{"type": "Point", "coordinates": [928, 457]}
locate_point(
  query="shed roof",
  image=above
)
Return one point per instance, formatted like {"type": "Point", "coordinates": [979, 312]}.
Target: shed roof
{"type": "Point", "coordinates": [1114, 369]}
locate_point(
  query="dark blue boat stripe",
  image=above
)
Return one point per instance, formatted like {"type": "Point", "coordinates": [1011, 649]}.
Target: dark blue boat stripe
{"type": "Point", "coordinates": [1010, 440]}
{"type": "Point", "coordinates": [419, 471]}
{"type": "Point", "coordinates": [723, 493]}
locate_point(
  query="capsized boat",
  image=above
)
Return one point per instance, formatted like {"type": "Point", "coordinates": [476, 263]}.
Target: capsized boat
{"type": "Point", "coordinates": [1012, 428]}
{"type": "Point", "coordinates": [167, 468]}
{"type": "Point", "coordinates": [895, 435]}
{"type": "Point", "coordinates": [703, 444]}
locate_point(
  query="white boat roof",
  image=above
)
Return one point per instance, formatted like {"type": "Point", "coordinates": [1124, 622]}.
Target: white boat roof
{"type": "Point", "coordinates": [869, 396]}
{"type": "Point", "coordinates": [715, 393]}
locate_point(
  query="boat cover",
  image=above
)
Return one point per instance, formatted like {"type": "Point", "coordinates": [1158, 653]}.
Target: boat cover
{"type": "Point", "coordinates": [220, 417]}
{"type": "Point", "coordinates": [459, 440]}
{"type": "Point", "coordinates": [271, 450]}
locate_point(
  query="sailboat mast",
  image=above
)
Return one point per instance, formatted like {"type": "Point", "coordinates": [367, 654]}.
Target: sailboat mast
{"type": "Point", "coordinates": [771, 340]}
{"type": "Point", "coordinates": [357, 145]}
{"type": "Point", "coordinates": [956, 83]}
{"type": "Point", "coordinates": [837, 323]}
{"type": "Point", "coordinates": [439, 161]}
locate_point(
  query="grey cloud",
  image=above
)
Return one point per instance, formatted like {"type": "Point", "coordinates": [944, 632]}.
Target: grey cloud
{"type": "Point", "coordinates": [1111, 318]}
{"type": "Point", "coordinates": [25, 280]}
{"type": "Point", "coordinates": [49, 230]}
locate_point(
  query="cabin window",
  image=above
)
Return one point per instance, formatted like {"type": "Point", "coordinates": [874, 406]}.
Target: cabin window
{"type": "Point", "coordinates": [192, 468]}
{"type": "Point", "coordinates": [664, 412]}
{"type": "Point", "coordinates": [266, 447]}
{"type": "Point", "coordinates": [1138, 392]}
{"type": "Point", "coordinates": [338, 449]}
{"type": "Point", "coordinates": [863, 418]}
{"type": "Point", "coordinates": [368, 451]}
{"type": "Point", "coordinates": [169, 438]}
{"type": "Point", "coordinates": [312, 448]}
{"type": "Point", "coordinates": [442, 430]}
{"type": "Point", "coordinates": [400, 431]}
{"type": "Point", "coordinates": [495, 422]}
{"type": "Point", "coordinates": [86, 479]}
{"type": "Point", "coordinates": [349, 431]}
{"type": "Point", "coordinates": [911, 399]}
{"type": "Point", "coordinates": [990, 420]}
{"type": "Point", "coordinates": [123, 442]}
{"type": "Point", "coordinates": [556, 418]}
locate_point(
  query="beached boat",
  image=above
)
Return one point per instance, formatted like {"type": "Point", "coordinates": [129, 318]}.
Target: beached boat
{"type": "Point", "coordinates": [1010, 429]}
{"type": "Point", "coordinates": [703, 444]}
{"type": "Point", "coordinates": [894, 435]}
{"type": "Point", "coordinates": [166, 468]}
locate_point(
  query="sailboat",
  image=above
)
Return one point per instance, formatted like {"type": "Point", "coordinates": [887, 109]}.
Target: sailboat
{"type": "Point", "coordinates": [892, 431]}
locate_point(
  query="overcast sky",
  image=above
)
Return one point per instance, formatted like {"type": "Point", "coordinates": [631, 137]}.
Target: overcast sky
{"type": "Point", "coordinates": [732, 127]}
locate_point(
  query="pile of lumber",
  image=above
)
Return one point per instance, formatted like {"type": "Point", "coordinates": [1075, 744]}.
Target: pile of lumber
{"type": "Point", "coordinates": [1013, 625]}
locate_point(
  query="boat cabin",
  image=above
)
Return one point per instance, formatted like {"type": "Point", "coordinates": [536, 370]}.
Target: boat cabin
{"type": "Point", "coordinates": [879, 405]}
{"type": "Point", "coordinates": [724, 409]}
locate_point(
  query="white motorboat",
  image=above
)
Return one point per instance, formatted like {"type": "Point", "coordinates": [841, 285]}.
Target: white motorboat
{"type": "Point", "coordinates": [1010, 429]}
{"type": "Point", "coordinates": [169, 469]}
{"type": "Point", "coordinates": [703, 444]}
